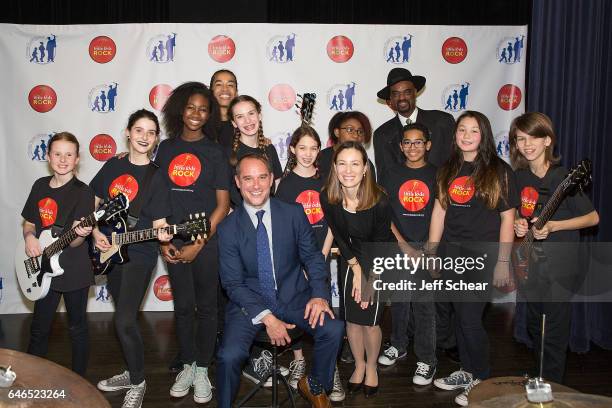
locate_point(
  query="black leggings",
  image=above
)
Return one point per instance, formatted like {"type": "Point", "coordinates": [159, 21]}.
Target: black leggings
{"type": "Point", "coordinates": [128, 284]}
{"type": "Point", "coordinates": [42, 319]}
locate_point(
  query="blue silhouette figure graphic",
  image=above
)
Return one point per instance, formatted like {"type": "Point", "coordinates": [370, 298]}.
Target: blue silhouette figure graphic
{"type": "Point", "coordinates": [154, 55]}
{"type": "Point", "coordinates": [390, 57]}
{"type": "Point", "coordinates": [518, 46]}
{"type": "Point", "coordinates": [406, 45]}
{"type": "Point", "coordinates": [334, 289]}
{"type": "Point", "coordinates": [449, 103]}
{"type": "Point", "coordinates": [103, 294]}
{"type": "Point", "coordinates": [34, 54]}
{"type": "Point", "coordinates": [281, 147]}
{"type": "Point", "coordinates": [340, 99]}
{"type": "Point", "coordinates": [334, 104]}
{"type": "Point", "coordinates": [397, 51]}
{"type": "Point", "coordinates": [160, 47]}
{"type": "Point", "coordinates": [274, 56]}
{"type": "Point", "coordinates": [288, 139]}
{"type": "Point", "coordinates": [463, 93]}
{"type": "Point", "coordinates": [170, 44]}
{"type": "Point", "coordinates": [507, 147]}
{"type": "Point", "coordinates": [96, 104]}
{"type": "Point", "coordinates": [41, 49]}
{"type": "Point", "coordinates": [281, 50]}
{"type": "Point", "coordinates": [504, 57]}
{"type": "Point", "coordinates": [349, 93]}
{"type": "Point", "coordinates": [499, 149]}
{"type": "Point", "coordinates": [103, 99]}
{"type": "Point", "coordinates": [509, 48]}
{"type": "Point", "coordinates": [289, 46]}
{"type": "Point", "coordinates": [51, 44]}
{"type": "Point", "coordinates": [36, 155]}
{"type": "Point", "coordinates": [112, 94]}
{"type": "Point", "coordinates": [43, 150]}
{"type": "Point", "coordinates": [455, 99]}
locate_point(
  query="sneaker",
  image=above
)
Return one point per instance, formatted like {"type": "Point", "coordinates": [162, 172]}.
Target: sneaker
{"type": "Point", "coordinates": [337, 393]}
{"type": "Point", "coordinates": [390, 356]}
{"type": "Point", "coordinates": [202, 388]}
{"type": "Point", "coordinates": [423, 375]}
{"type": "Point", "coordinates": [462, 399]}
{"type": "Point", "coordinates": [184, 381]}
{"type": "Point", "coordinates": [458, 379]}
{"type": "Point", "coordinates": [134, 396]}
{"type": "Point", "coordinates": [259, 368]}
{"type": "Point", "coordinates": [346, 356]}
{"type": "Point", "coordinates": [297, 369]}
{"type": "Point", "coordinates": [116, 382]}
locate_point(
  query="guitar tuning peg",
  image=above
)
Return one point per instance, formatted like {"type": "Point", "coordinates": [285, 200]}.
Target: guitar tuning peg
{"type": "Point", "coordinates": [190, 216]}
{"type": "Point", "coordinates": [197, 215]}
{"type": "Point", "coordinates": [193, 238]}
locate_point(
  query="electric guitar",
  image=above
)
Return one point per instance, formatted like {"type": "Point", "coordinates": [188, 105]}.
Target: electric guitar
{"type": "Point", "coordinates": [35, 274]}
{"type": "Point", "coordinates": [306, 107]}
{"type": "Point", "coordinates": [198, 226]}
{"type": "Point", "coordinates": [523, 252]}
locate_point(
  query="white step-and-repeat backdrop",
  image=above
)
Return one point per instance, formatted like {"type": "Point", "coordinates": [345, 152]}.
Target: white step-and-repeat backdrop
{"type": "Point", "coordinates": [87, 79]}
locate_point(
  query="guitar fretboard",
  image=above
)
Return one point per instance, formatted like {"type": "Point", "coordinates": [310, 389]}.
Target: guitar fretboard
{"type": "Point", "coordinates": [142, 235]}
{"type": "Point", "coordinates": [65, 239]}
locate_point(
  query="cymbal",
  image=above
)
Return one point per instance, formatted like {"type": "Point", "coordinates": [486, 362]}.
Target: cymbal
{"type": "Point", "coordinates": [562, 400]}
{"type": "Point", "coordinates": [500, 386]}
{"type": "Point", "coordinates": [44, 379]}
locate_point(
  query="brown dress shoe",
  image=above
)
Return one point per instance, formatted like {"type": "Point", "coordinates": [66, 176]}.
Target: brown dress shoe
{"type": "Point", "coordinates": [317, 401]}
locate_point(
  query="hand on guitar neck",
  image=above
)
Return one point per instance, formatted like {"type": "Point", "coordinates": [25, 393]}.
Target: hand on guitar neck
{"type": "Point", "coordinates": [521, 227]}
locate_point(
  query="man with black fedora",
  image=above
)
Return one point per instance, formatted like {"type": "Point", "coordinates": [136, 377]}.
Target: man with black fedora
{"type": "Point", "coordinates": [401, 92]}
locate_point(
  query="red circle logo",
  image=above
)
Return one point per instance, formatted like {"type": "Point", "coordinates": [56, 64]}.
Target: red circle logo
{"type": "Point", "coordinates": [158, 96]}
{"type": "Point", "coordinates": [184, 169]}
{"type": "Point", "coordinates": [162, 288]}
{"type": "Point", "coordinates": [102, 49]}
{"type": "Point", "coordinates": [340, 48]}
{"type": "Point", "coordinates": [281, 97]}
{"type": "Point", "coordinates": [221, 48]}
{"type": "Point", "coordinates": [47, 209]}
{"type": "Point", "coordinates": [454, 50]}
{"type": "Point", "coordinates": [461, 189]}
{"type": "Point", "coordinates": [102, 147]}
{"type": "Point", "coordinates": [42, 98]}
{"type": "Point", "coordinates": [312, 205]}
{"type": "Point", "coordinates": [126, 184]}
{"type": "Point", "coordinates": [509, 97]}
{"type": "Point", "coordinates": [413, 195]}
{"type": "Point", "coordinates": [529, 199]}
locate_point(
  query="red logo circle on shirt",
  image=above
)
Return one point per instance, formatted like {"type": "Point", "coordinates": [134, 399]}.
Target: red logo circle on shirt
{"type": "Point", "coordinates": [42, 98]}
{"type": "Point", "coordinates": [413, 195]}
{"type": "Point", "coordinates": [340, 48]}
{"type": "Point", "coordinates": [221, 48]}
{"type": "Point", "coordinates": [184, 169]}
{"type": "Point", "coordinates": [509, 97]}
{"type": "Point", "coordinates": [158, 96]}
{"type": "Point", "coordinates": [454, 50]}
{"type": "Point", "coordinates": [312, 205]}
{"type": "Point", "coordinates": [162, 288]}
{"type": "Point", "coordinates": [102, 147]}
{"type": "Point", "coordinates": [462, 189]}
{"type": "Point", "coordinates": [47, 209]}
{"type": "Point", "coordinates": [125, 184]}
{"type": "Point", "coordinates": [281, 97]}
{"type": "Point", "coordinates": [102, 49]}
{"type": "Point", "coordinates": [529, 198]}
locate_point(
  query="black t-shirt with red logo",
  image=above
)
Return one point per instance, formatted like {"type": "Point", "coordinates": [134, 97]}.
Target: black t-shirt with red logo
{"type": "Point", "coordinates": [43, 207]}
{"type": "Point", "coordinates": [535, 192]}
{"type": "Point", "coordinates": [193, 171]}
{"type": "Point", "coordinates": [411, 193]}
{"type": "Point", "coordinates": [305, 191]}
{"type": "Point", "coordinates": [121, 176]}
{"type": "Point", "coordinates": [468, 219]}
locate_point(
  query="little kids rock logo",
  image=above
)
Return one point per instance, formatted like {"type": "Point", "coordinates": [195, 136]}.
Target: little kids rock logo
{"type": "Point", "coordinates": [102, 293]}
{"type": "Point", "coordinates": [311, 204]}
{"type": "Point", "coordinates": [102, 147]}
{"type": "Point", "coordinates": [282, 97]}
{"type": "Point", "coordinates": [455, 97]}
{"type": "Point", "coordinates": [529, 200]}
{"type": "Point", "coordinates": [454, 50]}
{"type": "Point", "coordinates": [397, 49]}
{"type": "Point", "coordinates": [42, 98]}
{"type": "Point", "coordinates": [509, 97]}
{"type": "Point", "coordinates": [184, 169]}
{"type": "Point", "coordinates": [160, 49]}
{"type": "Point", "coordinates": [461, 189]}
{"type": "Point", "coordinates": [221, 48]}
{"type": "Point", "coordinates": [340, 49]}
{"type": "Point", "coordinates": [47, 210]}
{"type": "Point", "coordinates": [281, 48]}
{"type": "Point", "coordinates": [413, 195]}
{"type": "Point", "coordinates": [158, 96]}
{"type": "Point", "coordinates": [103, 98]}
{"type": "Point", "coordinates": [126, 184]}
{"type": "Point", "coordinates": [102, 49]}
{"type": "Point", "coordinates": [510, 49]}
{"type": "Point", "coordinates": [502, 146]}
{"type": "Point", "coordinates": [341, 97]}
{"type": "Point", "coordinates": [162, 289]}
{"type": "Point", "coordinates": [41, 50]}
{"type": "Point", "coordinates": [38, 147]}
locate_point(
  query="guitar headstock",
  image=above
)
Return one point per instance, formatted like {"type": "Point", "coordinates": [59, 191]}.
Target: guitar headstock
{"type": "Point", "coordinates": [579, 176]}
{"type": "Point", "coordinates": [197, 226]}
{"type": "Point", "coordinates": [306, 107]}
{"type": "Point", "coordinates": [110, 208]}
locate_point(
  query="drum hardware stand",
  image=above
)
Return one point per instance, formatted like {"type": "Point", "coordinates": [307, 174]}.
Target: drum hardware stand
{"type": "Point", "coordinates": [537, 390]}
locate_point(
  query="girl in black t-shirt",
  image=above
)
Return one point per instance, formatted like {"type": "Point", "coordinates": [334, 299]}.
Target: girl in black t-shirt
{"type": "Point", "coordinates": [196, 172]}
{"type": "Point", "coordinates": [550, 282]}
{"type": "Point", "coordinates": [128, 282]}
{"type": "Point", "coordinates": [224, 87]}
{"type": "Point", "coordinates": [475, 200]}
{"type": "Point", "coordinates": [53, 198]}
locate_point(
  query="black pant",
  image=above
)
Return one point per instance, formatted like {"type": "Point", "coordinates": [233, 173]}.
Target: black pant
{"type": "Point", "coordinates": [42, 319]}
{"type": "Point", "coordinates": [194, 289]}
{"type": "Point", "coordinates": [472, 339]}
{"type": "Point", "coordinates": [128, 284]}
{"type": "Point", "coordinates": [445, 325]}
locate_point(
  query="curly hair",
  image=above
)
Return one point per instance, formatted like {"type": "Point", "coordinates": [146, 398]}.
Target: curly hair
{"type": "Point", "coordinates": [261, 139]}
{"type": "Point", "coordinates": [298, 134]}
{"type": "Point", "coordinates": [339, 118]}
{"type": "Point", "coordinates": [175, 106]}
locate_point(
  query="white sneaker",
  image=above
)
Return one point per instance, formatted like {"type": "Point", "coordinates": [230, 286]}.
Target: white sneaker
{"type": "Point", "coordinates": [202, 388]}
{"type": "Point", "coordinates": [116, 382]}
{"type": "Point", "coordinates": [457, 379]}
{"type": "Point", "coordinates": [390, 356]}
{"type": "Point", "coordinates": [184, 381]}
{"type": "Point", "coordinates": [134, 396]}
{"type": "Point", "coordinates": [297, 369]}
{"type": "Point", "coordinates": [462, 399]}
{"type": "Point", "coordinates": [423, 375]}
{"type": "Point", "coordinates": [259, 367]}
{"type": "Point", "coordinates": [337, 393]}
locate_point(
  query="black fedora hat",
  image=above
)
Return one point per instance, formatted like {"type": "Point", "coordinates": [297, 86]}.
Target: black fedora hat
{"type": "Point", "coordinates": [397, 75]}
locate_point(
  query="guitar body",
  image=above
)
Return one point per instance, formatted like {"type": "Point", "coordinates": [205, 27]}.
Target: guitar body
{"type": "Point", "coordinates": [116, 254]}
{"type": "Point", "coordinates": [34, 274]}
{"type": "Point", "coordinates": [520, 261]}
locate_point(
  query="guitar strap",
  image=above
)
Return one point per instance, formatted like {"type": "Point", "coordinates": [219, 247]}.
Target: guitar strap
{"type": "Point", "coordinates": [136, 205]}
{"type": "Point", "coordinates": [72, 199]}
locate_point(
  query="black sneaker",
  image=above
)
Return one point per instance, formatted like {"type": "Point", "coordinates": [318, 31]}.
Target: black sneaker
{"type": "Point", "coordinates": [423, 375]}
{"type": "Point", "coordinates": [346, 356]}
{"type": "Point", "coordinates": [390, 355]}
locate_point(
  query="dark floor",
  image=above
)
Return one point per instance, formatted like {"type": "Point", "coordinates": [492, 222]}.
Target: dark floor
{"type": "Point", "coordinates": [589, 373]}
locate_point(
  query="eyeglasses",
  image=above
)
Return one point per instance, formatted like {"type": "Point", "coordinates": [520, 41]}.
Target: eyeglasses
{"type": "Point", "coordinates": [417, 143]}
{"type": "Point", "coordinates": [350, 130]}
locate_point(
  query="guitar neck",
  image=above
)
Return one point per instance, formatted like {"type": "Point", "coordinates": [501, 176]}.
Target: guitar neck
{"type": "Point", "coordinates": [142, 235]}
{"type": "Point", "coordinates": [66, 238]}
